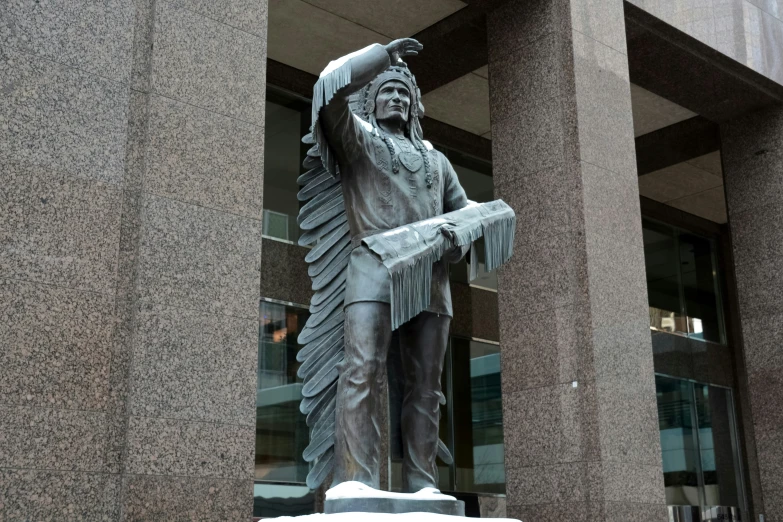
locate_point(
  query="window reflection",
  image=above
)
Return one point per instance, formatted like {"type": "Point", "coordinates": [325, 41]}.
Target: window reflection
{"type": "Point", "coordinates": [699, 287]}
{"type": "Point", "coordinates": [678, 442]}
{"type": "Point", "coordinates": [471, 422]}
{"type": "Point", "coordinates": [700, 452]}
{"type": "Point", "coordinates": [282, 500]}
{"type": "Point", "coordinates": [663, 277]}
{"type": "Point", "coordinates": [285, 124]}
{"type": "Point", "coordinates": [682, 283]}
{"type": "Point", "coordinates": [477, 416]}
{"type": "Point", "coordinates": [717, 445]}
{"type": "Point", "coordinates": [281, 431]}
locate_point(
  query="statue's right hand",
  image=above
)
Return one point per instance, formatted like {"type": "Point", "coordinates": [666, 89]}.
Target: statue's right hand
{"type": "Point", "coordinates": [402, 47]}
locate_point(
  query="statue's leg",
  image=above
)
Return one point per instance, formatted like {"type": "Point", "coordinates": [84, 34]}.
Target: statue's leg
{"type": "Point", "coordinates": [357, 429]}
{"type": "Point", "coordinates": [423, 342]}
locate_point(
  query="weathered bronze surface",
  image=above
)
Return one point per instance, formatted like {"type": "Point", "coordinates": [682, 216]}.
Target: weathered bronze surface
{"type": "Point", "coordinates": [375, 192]}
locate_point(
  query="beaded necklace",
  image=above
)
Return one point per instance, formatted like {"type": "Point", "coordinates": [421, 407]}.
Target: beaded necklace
{"type": "Point", "coordinates": [395, 161]}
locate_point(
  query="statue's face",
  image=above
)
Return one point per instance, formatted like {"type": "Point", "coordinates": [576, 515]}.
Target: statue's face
{"type": "Point", "coordinates": [393, 102]}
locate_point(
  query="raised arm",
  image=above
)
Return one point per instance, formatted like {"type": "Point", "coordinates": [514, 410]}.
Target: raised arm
{"type": "Point", "coordinates": [336, 131]}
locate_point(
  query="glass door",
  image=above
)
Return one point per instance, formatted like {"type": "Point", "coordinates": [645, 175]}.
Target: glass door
{"type": "Point", "coordinates": [699, 446]}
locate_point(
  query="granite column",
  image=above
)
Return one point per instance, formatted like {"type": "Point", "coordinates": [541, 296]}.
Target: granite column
{"type": "Point", "coordinates": [131, 145]}
{"type": "Point", "coordinates": [752, 152]}
{"type": "Point", "coordinates": [580, 415]}
{"type": "Point", "coordinates": [65, 71]}
{"type": "Point", "coordinates": [183, 384]}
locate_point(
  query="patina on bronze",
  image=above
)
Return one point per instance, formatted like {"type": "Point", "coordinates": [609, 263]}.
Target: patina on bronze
{"type": "Point", "coordinates": [381, 216]}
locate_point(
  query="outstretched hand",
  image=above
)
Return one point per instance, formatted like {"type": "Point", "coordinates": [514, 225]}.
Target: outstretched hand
{"type": "Point", "coordinates": [402, 47]}
{"type": "Point", "coordinates": [450, 235]}
{"type": "Point", "coordinates": [455, 253]}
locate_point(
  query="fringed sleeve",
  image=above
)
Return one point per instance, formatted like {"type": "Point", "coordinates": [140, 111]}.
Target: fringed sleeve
{"type": "Point", "coordinates": [336, 83]}
{"type": "Point", "coordinates": [408, 252]}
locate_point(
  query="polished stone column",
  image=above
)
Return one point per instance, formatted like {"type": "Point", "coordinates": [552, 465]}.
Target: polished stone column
{"type": "Point", "coordinates": [185, 385]}
{"type": "Point", "coordinates": [752, 151]}
{"type": "Point", "coordinates": [580, 415]}
{"type": "Point", "coordinates": [131, 145]}
{"type": "Point", "coordinates": [64, 93]}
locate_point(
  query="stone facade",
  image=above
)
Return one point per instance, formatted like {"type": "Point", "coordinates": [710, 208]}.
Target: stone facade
{"type": "Point", "coordinates": [753, 162]}
{"type": "Point", "coordinates": [747, 31]}
{"type": "Point", "coordinates": [131, 147]}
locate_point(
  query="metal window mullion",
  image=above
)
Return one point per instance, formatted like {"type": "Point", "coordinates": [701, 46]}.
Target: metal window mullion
{"type": "Point", "coordinates": [737, 451]}
{"type": "Point", "coordinates": [451, 443]}
{"type": "Point", "coordinates": [680, 286]}
{"type": "Point", "coordinates": [716, 282]}
{"type": "Point", "coordinates": [697, 439]}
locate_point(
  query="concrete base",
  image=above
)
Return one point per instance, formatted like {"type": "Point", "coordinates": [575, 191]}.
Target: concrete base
{"type": "Point", "coordinates": [395, 505]}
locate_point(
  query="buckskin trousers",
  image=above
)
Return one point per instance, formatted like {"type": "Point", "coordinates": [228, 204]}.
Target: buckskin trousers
{"type": "Point", "coordinates": [423, 342]}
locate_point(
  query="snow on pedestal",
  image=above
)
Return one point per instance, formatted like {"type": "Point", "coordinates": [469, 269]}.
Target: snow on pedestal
{"type": "Point", "coordinates": [384, 517]}
{"type": "Point", "coordinates": [359, 490]}
{"type": "Point", "coordinates": [353, 489]}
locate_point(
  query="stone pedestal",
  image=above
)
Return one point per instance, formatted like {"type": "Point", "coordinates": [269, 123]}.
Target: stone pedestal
{"type": "Point", "coordinates": [395, 505]}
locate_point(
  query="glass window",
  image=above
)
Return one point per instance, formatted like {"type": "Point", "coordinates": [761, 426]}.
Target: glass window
{"type": "Point", "coordinates": [282, 500]}
{"type": "Point", "coordinates": [281, 431]}
{"type": "Point", "coordinates": [700, 293]}
{"type": "Point", "coordinates": [477, 416]}
{"type": "Point", "coordinates": [678, 442]}
{"type": "Point", "coordinates": [471, 422]}
{"type": "Point", "coordinates": [663, 277]}
{"type": "Point", "coordinates": [719, 459]}
{"type": "Point", "coordinates": [682, 282]}
{"type": "Point", "coordinates": [699, 447]}
{"type": "Point", "coordinates": [285, 123]}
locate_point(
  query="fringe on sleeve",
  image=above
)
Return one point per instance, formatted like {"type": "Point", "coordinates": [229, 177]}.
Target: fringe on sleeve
{"type": "Point", "coordinates": [323, 92]}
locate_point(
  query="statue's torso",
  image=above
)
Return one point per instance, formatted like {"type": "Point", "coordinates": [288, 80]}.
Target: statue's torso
{"type": "Point", "coordinates": [377, 199]}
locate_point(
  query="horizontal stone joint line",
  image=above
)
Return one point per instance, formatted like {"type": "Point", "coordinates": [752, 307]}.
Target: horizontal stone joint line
{"type": "Point", "coordinates": [8, 405]}
{"type": "Point", "coordinates": [624, 53]}
{"type": "Point", "coordinates": [70, 66]}
{"type": "Point", "coordinates": [112, 293]}
{"type": "Point", "coordinates": [221, 22]}
{"type": "Point", "coordinates": [155, 305]}
{"type": "Point", "coordinates": [54, 470]}
{"type": "Point", "coordinates": [234, 118]}
{"type": "Point", "coordinates": [201, 477]}
{"type": "Point", "coordinates": [584, 461]}
{"type": "Point", "coordinates": [191, 203]}
{"type": "Point", "coordinates": [195, 421]}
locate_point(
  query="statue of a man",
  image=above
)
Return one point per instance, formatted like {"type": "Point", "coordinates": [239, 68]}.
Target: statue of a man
{"type": "Point", "coordinates": [366, 131]}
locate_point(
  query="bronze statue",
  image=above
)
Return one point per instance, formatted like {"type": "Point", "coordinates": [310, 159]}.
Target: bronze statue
{"type": "Point", "coordinates": [378, 217]}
